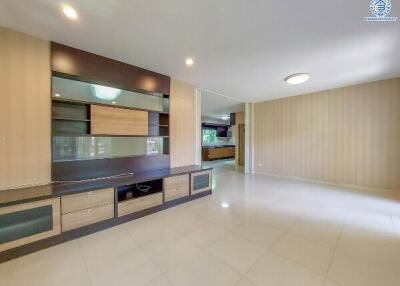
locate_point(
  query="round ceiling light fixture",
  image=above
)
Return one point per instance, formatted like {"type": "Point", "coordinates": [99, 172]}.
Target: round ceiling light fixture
{"type": "Point", "coordinates": [297, 78]}
{"type": "Point", "coordinates": [189, 62]}
{"type": "Point", "coordinates": [70, 12]}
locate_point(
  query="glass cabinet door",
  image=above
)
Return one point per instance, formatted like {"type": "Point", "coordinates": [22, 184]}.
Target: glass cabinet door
{"type": "Point", "coordinates": [26, 223]}
{"type": "Point", "coordinates": [201, 181]}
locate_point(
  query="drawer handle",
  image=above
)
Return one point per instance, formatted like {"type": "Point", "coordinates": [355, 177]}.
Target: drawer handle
{"type": "Point", "coordinates": [89, 211]}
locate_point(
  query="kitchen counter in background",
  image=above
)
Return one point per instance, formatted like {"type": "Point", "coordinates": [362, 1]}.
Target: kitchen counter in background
{"type": "Point", "coordinates": [218, 152]}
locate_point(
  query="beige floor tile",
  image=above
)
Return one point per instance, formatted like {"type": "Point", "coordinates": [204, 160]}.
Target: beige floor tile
{"type": "Point", "coordinates": [351, 271]}
{"type": "Point", "coordinates": [278, 219]}
{"type": "Point", "coordinates": [274, 270]}
{"type": "Point", "coordinates": [244, 282]}
{"type": "Point", "coordinates": [305, 253]}
{"type": "Point", "coordinates": [258, 233]}
{"type": "Point", "coordinates": [160, 281]}
{"type": "Point", "coordinates": [167, 254]}
{"type": "Point", "coordinates": [320, 232]}
{"type": "Point", "coordinates": [203, 270]}
{"type": "Point", "coordinates": [107, 247]}
{"type": "Point", "coordinates": [237, 252]}
{"type": "Point", "coordinates": [50, 266]}
{"type": "Point", "coordinates": [208, 232]}
{"type": "Point", "coordinates": [331, 283]}
{"type": "Point", "coordinates": [127, 270]}
{"type": "Point", "coordinates": [381, 249]}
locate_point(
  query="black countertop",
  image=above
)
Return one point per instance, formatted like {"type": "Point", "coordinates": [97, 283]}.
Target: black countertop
{"type": "Point", "coordinates": [29, 194]}
{"type": "Point", "coordinates": [218, 146]}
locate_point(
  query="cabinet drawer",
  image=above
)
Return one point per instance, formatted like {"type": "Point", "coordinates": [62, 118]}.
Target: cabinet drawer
{"type": "Point", "coordinates": [86, 217]}
{"type": "Point", "coordinates": [139, 204]}
{"type": "Point", "coordinates": [86, 200]}
{"type": "Point", "coordinates": [176, 187]}
{"type": "Point", "coordinates": [29, 222]}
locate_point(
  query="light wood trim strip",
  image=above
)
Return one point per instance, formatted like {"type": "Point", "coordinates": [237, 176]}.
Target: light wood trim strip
{"type": "Point", "coordinates": [118, 121]}
{"type": "Point", "coordinates": [86, 217]}
{"type": "Point", "coordinates": [139, 204]}
{"type": "Point", "coordinates": [86, 200]}
{"type": "Point", "coordinates": [55, 203]}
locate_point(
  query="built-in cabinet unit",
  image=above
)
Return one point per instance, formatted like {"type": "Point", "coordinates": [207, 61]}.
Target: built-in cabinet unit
{"type": "Point", "coordinates": [25, 223]}
{"type": "Point", "coordinates": [105, 109]}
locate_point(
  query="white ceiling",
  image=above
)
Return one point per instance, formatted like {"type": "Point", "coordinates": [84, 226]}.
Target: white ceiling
{"type": "Point", "coordinates": [216, 106]}
{"type": "Point", "coordinates": [241, 48]}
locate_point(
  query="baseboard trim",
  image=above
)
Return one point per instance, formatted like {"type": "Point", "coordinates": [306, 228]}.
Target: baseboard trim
{"type": "Point", "coordinates": [328, 183]}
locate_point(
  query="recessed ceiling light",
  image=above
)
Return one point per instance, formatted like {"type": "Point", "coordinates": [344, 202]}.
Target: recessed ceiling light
{"type": "Point", "coordinates": [297, 78]}
{"type": "Point", "coordinates": [225, 117]}
{"type": "Point", "coordinates": [113, 102]}
{"type": "Point", "coordinates": [57, 95]}
{"type": "Point", "coordinates": [189, 62]}
{"type": "Point", "coordinates": [70, 12]}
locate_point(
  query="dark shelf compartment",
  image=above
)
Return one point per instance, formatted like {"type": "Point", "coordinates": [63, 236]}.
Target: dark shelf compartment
{"type": "Point", "coordinates": [71, 127]}
{"type": "Point", "coordinates": [164, 119]}
{"type": "Point", "coordinates": [70, 111]}
{"type": "Point", "coordinates": [163, 130]}
{"type": "Point", "coordinates": [131, 192]}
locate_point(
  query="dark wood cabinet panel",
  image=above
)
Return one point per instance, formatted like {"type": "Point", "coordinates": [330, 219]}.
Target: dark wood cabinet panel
{"type": "Point", "coordinates": [77, 64]}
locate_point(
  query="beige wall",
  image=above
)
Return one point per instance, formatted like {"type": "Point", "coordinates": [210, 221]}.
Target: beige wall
{"type": "Point", "coordinates": [183, 110]}
{"type": "Point", "coordinates": [24, 110]}
{"type": "Point", "coordinates": [345, 136]}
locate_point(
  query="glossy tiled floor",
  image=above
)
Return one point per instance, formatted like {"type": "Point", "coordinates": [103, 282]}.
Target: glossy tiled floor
{"type": "Point", "coordinates": [274, 232]}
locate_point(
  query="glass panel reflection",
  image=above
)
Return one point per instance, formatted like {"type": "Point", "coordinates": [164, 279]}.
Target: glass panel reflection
{"type": "Point", "coordinates": [79, 148]}
{"type": "Point", "coordinates": [93, 93]}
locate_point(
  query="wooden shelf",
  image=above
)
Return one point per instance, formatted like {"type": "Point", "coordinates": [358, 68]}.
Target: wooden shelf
{"type": "Point", "coordinates": [70, 119]}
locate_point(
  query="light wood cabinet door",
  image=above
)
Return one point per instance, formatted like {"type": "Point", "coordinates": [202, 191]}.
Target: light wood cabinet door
{"type": "Point", "coordinates": [118, 121]}
{"type": "Point", "coordinates": [85, 217]}
{"type": "Point", "coordinates": [139, 204]}
{"type": "Point", "coordinates": [86, 200]}
{"type": "Point", "coordinates": [25, 223]}
{"type": "Point", "coordinates": [176, 187]}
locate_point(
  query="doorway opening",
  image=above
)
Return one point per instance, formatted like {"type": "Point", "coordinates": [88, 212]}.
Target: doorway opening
{"type": "Point", "coordinates": [222, 132]}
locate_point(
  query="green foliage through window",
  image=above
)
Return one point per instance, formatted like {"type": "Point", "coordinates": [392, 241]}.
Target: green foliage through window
{"type": "Point", "coordinates": [209, 136]}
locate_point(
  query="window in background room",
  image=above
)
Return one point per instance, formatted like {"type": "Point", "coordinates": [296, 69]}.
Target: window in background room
{"type": "Point", "coordinates": [209, 136]}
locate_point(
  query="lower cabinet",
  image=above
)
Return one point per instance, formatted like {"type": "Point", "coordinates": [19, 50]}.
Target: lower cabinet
{"type": "Point", "coordinates": [25, 223]}
{"type": "Point", "coordinates": [138, 204]}
{"type": "Point", "coordinates": [85, 217]}
{"type": "Point", "coordinates": [176, 187]}
{"type": "Point", "coordinates": [201, 182]}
